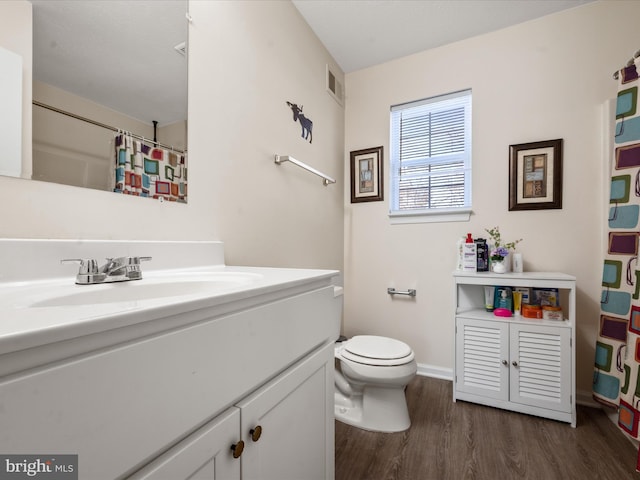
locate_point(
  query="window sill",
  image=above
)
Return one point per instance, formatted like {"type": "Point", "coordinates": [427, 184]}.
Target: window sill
{"type": "Point", "coordinates": [431, 216]}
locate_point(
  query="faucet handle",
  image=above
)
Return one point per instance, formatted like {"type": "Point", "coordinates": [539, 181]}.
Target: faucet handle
{"type": "Point", "coordinates": [133, 269]}
{"type": "Point", "coordinates": [88, 272]}
{"type": "Point", "coordinates": [127, 260]}
{"type": "Point", "coordinates": [87, 265]}
{"type": "Point", "coordinates": [137, 260]}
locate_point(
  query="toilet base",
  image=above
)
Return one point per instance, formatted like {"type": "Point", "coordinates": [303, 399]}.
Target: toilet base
{"type": "Point", "coordinates": [377, 409]}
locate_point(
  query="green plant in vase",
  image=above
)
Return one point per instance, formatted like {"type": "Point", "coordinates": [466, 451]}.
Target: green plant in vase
{"type": "Point", "coordinates": [499, 250]}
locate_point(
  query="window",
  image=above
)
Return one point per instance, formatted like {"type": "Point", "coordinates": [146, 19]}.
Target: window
{"type": "Point", "coordinates": [431, 159]}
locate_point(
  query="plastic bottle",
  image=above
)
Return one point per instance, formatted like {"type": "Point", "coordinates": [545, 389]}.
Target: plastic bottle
{"type": "Point", "coordinates": [503, 298]}
{"type": "Point", "coordinates": [483, 254]}
{"type": "Point", "coordinates": [469, 255]}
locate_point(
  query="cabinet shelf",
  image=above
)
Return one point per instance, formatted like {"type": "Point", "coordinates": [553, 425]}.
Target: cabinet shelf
{"type": "Point", "coordinates": [526, 279]}
{"type": "Point", "coordinates": [482, 314]}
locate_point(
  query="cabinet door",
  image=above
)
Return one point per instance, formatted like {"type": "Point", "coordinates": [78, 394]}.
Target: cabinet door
{"type": "Point", "coordinates": [482, 354]}
{"type": "Point", "coordinates": [295, 413]}
{"type": "Point", "coordinates": [541, 366]}
{"type": "Point", "coordinates": [205, 454]}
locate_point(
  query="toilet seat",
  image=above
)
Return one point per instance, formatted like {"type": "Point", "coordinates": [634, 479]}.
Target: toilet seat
{"type": "Point", "coordinates": [377, 351]}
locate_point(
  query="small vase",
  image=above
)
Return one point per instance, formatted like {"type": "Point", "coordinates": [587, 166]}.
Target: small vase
{"type": "Point", "coordinates": [498, 266]}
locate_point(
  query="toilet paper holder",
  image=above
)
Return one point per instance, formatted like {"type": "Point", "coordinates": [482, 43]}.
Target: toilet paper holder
{"type": "Point", "coordinates": [410, 292]}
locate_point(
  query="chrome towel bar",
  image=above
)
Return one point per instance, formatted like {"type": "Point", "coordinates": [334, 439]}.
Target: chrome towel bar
{"type": "Point", "coordinates": [411, 292]}
{"type": "Point", "coordinates": [326, 179]}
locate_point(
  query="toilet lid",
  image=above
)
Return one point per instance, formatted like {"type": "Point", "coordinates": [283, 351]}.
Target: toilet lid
{"type": "Point", "coordinates": [374, 350]}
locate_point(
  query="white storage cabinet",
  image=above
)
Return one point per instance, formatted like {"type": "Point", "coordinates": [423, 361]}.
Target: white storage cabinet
{"type": "Point", "coordinates": [516, 363]}
{"type": "Point", "coordinates": [173, 404]}
{"type": "Point", "coordinates": [278, 432]}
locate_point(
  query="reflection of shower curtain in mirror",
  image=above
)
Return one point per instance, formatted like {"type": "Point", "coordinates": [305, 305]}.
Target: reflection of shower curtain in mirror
{"type": "Point", "coordinates": [616, 381]}
{"type": "Point", "coordinates": [147, 171]}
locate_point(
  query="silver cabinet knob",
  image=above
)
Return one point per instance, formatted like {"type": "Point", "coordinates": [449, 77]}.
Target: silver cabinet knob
{"type": "Point", "coordinates": [504, 362]}
{"type": "Point", "coordinates": [514, 363]}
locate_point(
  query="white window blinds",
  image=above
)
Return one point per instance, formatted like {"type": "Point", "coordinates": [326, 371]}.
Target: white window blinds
{"type": "Point", "coordinates": [431, 155]}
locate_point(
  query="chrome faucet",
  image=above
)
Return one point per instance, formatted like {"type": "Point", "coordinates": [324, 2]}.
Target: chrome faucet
{"type": "Point", "coordinates": [119, 269]}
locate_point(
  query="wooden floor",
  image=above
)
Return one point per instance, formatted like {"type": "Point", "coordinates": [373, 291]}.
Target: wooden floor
{"type": "Point", "coordinates": [467, 441]}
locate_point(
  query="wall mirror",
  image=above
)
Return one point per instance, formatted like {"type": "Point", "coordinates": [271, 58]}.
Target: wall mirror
{"type": "Point", "coordinates": [103, 68]}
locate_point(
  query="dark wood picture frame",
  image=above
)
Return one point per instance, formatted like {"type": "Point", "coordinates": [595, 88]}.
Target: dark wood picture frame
{"type": "Point", "coordinates": [535, 175]}
{"type": "Point", "coordinates": [366, 175]}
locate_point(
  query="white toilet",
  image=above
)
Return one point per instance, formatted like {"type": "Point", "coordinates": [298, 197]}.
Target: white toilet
{"type": "Point", "coordinates": [370, 383]}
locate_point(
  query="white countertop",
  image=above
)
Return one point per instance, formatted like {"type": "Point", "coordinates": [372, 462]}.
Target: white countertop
{"type": "Point", "coordinates": [40, 304]}
{"type": "Point", "coordinates": [23, 325]}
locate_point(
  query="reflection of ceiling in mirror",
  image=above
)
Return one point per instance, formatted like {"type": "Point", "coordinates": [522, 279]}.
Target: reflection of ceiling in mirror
{"type": "Point", "coordinates": [118, 53]}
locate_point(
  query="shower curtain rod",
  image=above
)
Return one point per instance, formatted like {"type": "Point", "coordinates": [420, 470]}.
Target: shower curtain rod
{"type": "Point", "coordinates": [629, 63]}
{"type": "Point", "coordinates": [104, 125]}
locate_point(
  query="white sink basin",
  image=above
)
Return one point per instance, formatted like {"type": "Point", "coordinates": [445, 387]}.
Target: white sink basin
{"type": "Point", "coordinates": [176, 285]}
{"type": "Point", "coordinates": [185, 283]}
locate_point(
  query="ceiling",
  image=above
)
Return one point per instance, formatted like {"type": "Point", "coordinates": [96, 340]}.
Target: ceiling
{"type": "Point", "coordinates": [362, 33]}
{"type": "Point", "coordinates": [120, 53]}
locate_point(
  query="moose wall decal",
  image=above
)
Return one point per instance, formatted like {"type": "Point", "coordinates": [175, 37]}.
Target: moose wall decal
{"type": "Point", "coordinates": [306, 123]}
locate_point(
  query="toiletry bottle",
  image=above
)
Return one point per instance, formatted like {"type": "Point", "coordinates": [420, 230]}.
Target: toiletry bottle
{"type": "Point", "coordinates": [489, 293]}
{"type": "Point", "coordinates": [517, 263]}
{"type": "Point", "coordinates": [517, 302]}
{"type": "Point", "coordinates": [482, 254]}
{"type": "Point", "coordinates": [503, 298]}
{"type": "Point", "coordinates": [469, 257]}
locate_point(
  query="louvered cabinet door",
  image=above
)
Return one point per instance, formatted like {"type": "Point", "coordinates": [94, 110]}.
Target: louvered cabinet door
{"type": "Point", "coordinates": [482, 354]}
{"type": "Point", "coordinates": [540, 366]}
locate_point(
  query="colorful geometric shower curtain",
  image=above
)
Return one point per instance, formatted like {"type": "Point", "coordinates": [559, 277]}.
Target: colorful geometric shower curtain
{"type": "Point", "coordinates": [615, 379]}
{"type": "Point", "coordinates": [147, 171]}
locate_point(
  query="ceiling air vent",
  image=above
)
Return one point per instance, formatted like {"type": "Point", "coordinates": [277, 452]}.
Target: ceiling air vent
{"type": "Point", "coordinates": [181, 48]}
{"type": "Point", "coordinates": [334, 87]}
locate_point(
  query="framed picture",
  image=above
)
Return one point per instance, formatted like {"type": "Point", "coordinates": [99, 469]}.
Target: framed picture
{"type": "Point", "coordinates": [535, 175]}
{"type": "Point", "coordinates": [366, 175]}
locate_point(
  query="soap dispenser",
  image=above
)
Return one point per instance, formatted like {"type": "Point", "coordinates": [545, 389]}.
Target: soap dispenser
{"type": "Point", "coordinates": [503, 298]}
{"type": "Point", "coordinates": [469, 255]}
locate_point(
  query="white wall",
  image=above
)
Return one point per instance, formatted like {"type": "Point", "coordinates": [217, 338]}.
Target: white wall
{"type": "Point", "coordinates": [15, 35]}
{"type": "Point", "coordinates": [253, 57]}
{"type": "Point", "coordinates": [246, 59]}
{"type": "Point", "coordinates": [540, 80]}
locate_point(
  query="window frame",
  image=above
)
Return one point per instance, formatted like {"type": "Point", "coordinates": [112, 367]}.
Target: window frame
{"type": "Point", "coordinates": [432, 214]}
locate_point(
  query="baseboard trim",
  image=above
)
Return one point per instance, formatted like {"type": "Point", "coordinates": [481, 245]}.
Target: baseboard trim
{"type": "Point", "coordinates": [425, 370]}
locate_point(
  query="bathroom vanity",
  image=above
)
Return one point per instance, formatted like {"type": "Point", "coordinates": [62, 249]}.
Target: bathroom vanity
{"type": "Point", "coordinates": [516, 363]}
{"type": "Point", "coordinates": [230, 377]}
